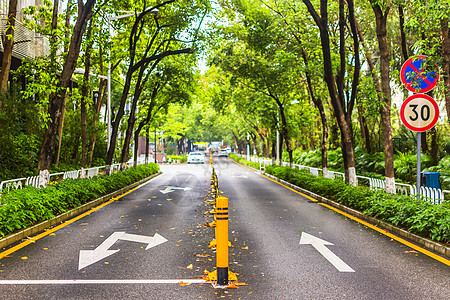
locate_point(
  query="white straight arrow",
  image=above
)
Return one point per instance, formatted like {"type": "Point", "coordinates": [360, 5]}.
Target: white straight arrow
{"type": "Point", "coordinates": [88, 257]}
{"type": "Point", "coordinates": [319, 244]}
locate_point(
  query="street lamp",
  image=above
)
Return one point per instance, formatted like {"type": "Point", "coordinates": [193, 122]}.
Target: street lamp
{"type": "Point", "coordinates": [112, 18]}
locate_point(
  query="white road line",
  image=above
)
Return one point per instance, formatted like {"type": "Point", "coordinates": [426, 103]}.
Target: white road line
{"type": "Point", "coordinates": [100, 281]}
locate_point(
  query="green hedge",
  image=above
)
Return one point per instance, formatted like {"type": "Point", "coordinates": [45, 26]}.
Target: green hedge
{"type": "Point", "coordinates": [243, 161]}
{"type": "Point", "coordinates": [174, 158]}
{"type": "Point", "coordinates": [26, 207]}
{"type": "Point", "coordinates": [416, 216]}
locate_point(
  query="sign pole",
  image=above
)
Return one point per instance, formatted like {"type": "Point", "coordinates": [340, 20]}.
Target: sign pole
{"type": "Point", "coordinates": [419, 144]}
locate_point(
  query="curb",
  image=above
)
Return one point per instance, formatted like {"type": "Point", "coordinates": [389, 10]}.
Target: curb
{"type": "Point", "coordinates": [424, 242]}
{"type": "Point", "coordinates": [14, 237]}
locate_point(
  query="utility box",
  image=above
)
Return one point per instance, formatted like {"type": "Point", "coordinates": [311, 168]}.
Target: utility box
{"type": "Point", "coordinates": [432, 179]}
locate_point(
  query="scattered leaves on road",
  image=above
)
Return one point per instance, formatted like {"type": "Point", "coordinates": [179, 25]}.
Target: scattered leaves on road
{"type": "Point", "coordinates": [203, 255]}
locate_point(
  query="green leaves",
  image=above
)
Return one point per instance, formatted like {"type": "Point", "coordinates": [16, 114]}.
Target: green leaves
{"type": "Point", "coordinates": [23, 208]}
{"type": "Point", "coordinates": [417, 216]}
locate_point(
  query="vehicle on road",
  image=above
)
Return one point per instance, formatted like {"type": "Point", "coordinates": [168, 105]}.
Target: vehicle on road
{"type": "Point", "coordinates": [223, 152]}
{"type": "Point", "coordinates": [196, 158]}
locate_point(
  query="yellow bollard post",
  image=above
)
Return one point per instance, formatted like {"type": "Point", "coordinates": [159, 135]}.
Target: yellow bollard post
{"type": "Point", "coordinates": [222, 240]}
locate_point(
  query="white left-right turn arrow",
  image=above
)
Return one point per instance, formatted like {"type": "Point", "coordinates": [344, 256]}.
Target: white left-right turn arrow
{"type": "Point", "coordinates": [89, 257]}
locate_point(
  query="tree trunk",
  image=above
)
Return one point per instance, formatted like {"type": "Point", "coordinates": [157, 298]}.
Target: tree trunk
{"type": "Point", "coordinates": [8, 46]}
{"type": "Point", "coordinates": [376, 82]}
{"type": "Point", "coordinates": [85, 92]}
{"type": "Point", "coordinates": [365, 134]}
{"type": "Point", "coordinates": [381, 20]}
{"type": "Point", "coordinates": [60, 134]}
{"type": "Point", "coordinates": [147, 145]}
{"type": "Point", "coordinates": [56, 99]}
{"type": "Point", "coordinates": [63, 109]}
{"type": "Point", "coordinates": [323, 117]}
{"type": "Point", "coordinates": [98, 106]}
{"type": "Point", "coordinates": [336, 101]}
{"type": "Point", "coordinates": [445, 36]}
{"type": "Point", "coordinates": [434, 151]}
{"type": "Point", "coordinates": [401, 17]}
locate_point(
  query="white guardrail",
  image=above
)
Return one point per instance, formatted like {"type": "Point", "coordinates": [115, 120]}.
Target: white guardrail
{"type": "Point", "coordinates": [20, 183]}
{"type": "Point", "coordinates": [436, 196]}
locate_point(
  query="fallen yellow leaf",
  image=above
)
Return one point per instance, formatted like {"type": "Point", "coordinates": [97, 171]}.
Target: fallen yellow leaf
{"type": "Point", "coordinates": [245, 248]}
{"type": "Point", "coordinates": [190, 266]}
{"type": "Point", "coordinates": [184, 284]}
{"type": "Point", "coordinates": [24, 257]}
{"type": "Point", "coordinates": [202, 255]}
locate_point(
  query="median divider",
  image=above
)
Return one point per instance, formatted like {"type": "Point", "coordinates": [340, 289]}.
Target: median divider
{"type": "Point", "coordinates": [222, 275]}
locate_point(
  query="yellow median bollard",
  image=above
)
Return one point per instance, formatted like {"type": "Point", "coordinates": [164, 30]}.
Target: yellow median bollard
{"type": "Point", "coordinates": [222, 240]}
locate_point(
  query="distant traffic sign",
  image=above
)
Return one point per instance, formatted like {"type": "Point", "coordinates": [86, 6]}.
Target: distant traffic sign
{"type": "Point", "coordinates": [419, 112]}
{"type": "Point", "coordinates": [417, 76]}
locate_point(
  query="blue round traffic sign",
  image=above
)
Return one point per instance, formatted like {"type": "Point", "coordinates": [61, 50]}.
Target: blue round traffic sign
{"type": "Point", "coordinates": [418, 76]}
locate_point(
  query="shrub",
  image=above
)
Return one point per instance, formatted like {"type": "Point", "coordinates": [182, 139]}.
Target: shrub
{"type": "Point", "coordinates": [417, 216]}
{"type": "Point", "coordinates": [28, 206]}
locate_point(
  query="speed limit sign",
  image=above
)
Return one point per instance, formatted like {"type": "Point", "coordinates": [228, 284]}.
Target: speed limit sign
{"type": "Point", "coordinates": [419, 112]}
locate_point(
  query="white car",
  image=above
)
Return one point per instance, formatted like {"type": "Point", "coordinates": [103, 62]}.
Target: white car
{"type": "Point", "coordinates": [223, 152]}
{"type": "Point", "coordinates": [196, 158]}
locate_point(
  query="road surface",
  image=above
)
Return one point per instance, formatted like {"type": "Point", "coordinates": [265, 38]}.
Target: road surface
{"type": "Point", "coordinates": [152, 244]}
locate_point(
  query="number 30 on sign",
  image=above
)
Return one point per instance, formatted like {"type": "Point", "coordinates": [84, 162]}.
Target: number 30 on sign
{"type": "Point", "coordinates": [419, 112]}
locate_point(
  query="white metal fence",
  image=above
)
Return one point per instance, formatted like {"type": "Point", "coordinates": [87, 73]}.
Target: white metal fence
{"type": "Point", "coordinates": [20, 183]}
{"type": "Point", "coordinates": [434, 195]}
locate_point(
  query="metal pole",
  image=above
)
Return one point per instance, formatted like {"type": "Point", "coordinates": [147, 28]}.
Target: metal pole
{"type": "Point", "coordinates": [109, 86]}
{"type": "Point", "coordinates": [419, 144]}
{"type": "Point", "coordinates": [155, 146]}
{"type": "Point", "coordinates": [278, 147]}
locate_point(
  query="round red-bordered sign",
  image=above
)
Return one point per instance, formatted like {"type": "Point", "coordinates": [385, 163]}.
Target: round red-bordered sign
{"type": "Point", "coordinates": [416, 77]}
{"type": "Point", "coordinates": [419, 112]}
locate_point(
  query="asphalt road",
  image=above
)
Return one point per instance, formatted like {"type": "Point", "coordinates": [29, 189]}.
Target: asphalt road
{"type": "Point", "coordinates": [267, 222]}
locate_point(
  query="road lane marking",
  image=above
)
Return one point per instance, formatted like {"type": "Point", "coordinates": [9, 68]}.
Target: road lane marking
{"type": "Point", "coordinates": [392, 236]}
{"type": "Point", "coordinates": [100, 281]}
{"type": "Point", "coordinates": [319, 245]}
{"type": "Point", "coordinates": [380, 230]}
{"type": "Point", "coordinates": [289, 188]}
{"type": "Point", "coordinates": [89, 257]}
{"type": "Point", "coordinates": [171, 189]}
{"type": "Point", "coordinates": [54, 229]}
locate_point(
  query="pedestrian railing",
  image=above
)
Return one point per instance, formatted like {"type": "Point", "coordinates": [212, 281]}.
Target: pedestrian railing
{"type": "Point", "coordinates": [20, 183]}
{"type": "Point", "coordinates": [72, 174]}
{"type": "Point", "coordinates": [434, 195]}
{"type": "Point", "coordinates": [91, 172]}
{"type": "Point", "coordinates": [33, 181]}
